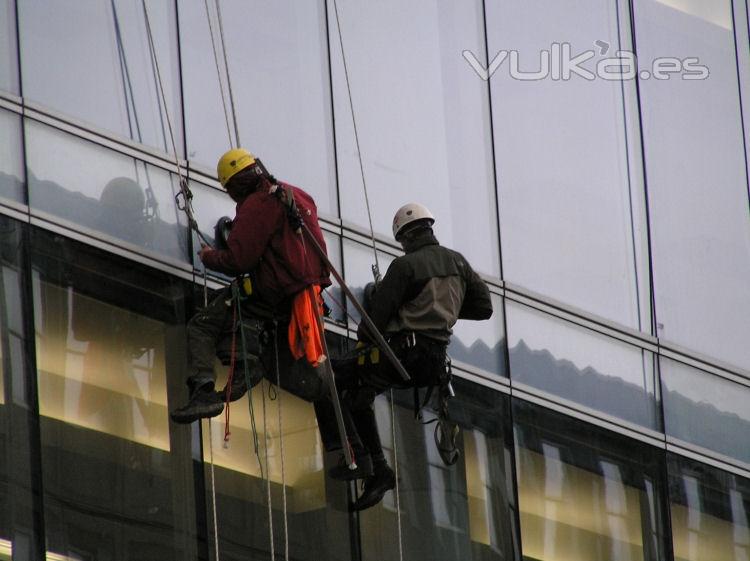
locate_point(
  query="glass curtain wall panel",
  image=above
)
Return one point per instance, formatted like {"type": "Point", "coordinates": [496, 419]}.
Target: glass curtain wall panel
{"type": "Point", "coordinates": [422, 117]}
{"type": "Point", "coordinates": [12, 176]}
{"type": "Point", "coordinates": [572, 218]}
{"type": "Point", "coordinates": [277, 56]}
{"type": "Point", "coordinates": [706, 410]}
{"type": "Point", "coordinates": [290, 464]}
{"type": "Point", "coordinates": [8, 47]}
{"type": "Point", "coordinates": [92, 61]}
{"type": "Point", "coordinates": [697, 175]}
{"type": "Point", "coordinates": [465, 511]}
{"type": "Point", "coordinates": [585, 493]}
{"type": "Point", "coordinates": [110, 343]}
{"type": "Point", "coordinates": [583, 366]}
{"type": "Point", "coordinates": [709, 512]}
{"type": "Point", "coordinates": [115, 197]}
{"type": "Point", "coordinates": [20, 510]}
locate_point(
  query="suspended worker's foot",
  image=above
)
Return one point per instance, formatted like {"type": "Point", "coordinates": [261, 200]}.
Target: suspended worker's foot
{"type": "Point", "coordinates": [204, 403]}
{"type": "Point", "coordinates": [239, 388]}
{"type": "Point", "coordinates": [362, 471]}
{"type": "Point", "coordinates": [382, 481]}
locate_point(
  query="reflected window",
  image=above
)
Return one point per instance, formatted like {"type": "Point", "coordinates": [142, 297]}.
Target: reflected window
{"type": "Point", "coordinates": [584, 493]}
{"type": "Point", "coordinates": [8, 47]}
{"type": "Point", "coordinates": [697, 175]}
{"type": "Point", "coordinates": [422, 119]}
{"type": "Point", "coordinates": [11, 158]}
{"type": "Point", "coordinates": [91, 60]}
{"type": "Point", "coordinates": [121, 199]}
{"type": "Point", "coordinates": [460, 512]}
{"type": "Point", "coordinates": [583, 366]}
{"type": "Point", "coordinates": [709, 512]}
{"type": "Point", "coordinates": [108, 335]}
{"type": "Point", "coordinates": [706, 410]}
{"type": "Point", "coordinates": [281, 89]}
{"type": "Point", "coordinates": [572, 218]}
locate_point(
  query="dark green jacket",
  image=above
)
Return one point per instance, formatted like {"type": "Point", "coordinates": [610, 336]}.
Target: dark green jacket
{"type": "Point", "coordinates": [426, 291]}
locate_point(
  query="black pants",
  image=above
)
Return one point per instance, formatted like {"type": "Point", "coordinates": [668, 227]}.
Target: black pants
{"type": "Point", "coordinates": [210, 335]}
{"type": "Point", "coordinates": [363, 376]}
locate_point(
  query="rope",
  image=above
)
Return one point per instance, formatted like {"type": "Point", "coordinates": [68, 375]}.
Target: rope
{"type": "Point", "coordinates": [395, 469]}
{"type": "Point", "coordinates": [281, 446]}
{"type": "Point", "coordinates": [226, 69]}
{"type": "Point", "coordinates": [213, 489]}
{"type": "Point", "coordinates": [218, 71]}
{"type": "Point", "coordinates": [356, 138]}
{"type": "Point", "coordinates": [268, 479]}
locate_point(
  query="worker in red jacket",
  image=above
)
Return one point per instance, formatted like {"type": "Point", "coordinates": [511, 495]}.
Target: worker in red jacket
{"type": "Point", "coordinates": [263, 245]}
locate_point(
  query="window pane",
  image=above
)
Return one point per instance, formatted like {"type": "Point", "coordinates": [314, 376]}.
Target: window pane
{"type": "Point", "coordinates": [108, 333]}
{"type": "Point", "coordinates": [697, 178]}
{"type": "Point", "coordinates": [706, 410]}
{"type": "Point", "coordinates": [709, 512]}
{"type": "Point", "coordinates": [8, 47]}
{"type": "Point", "coordinates": [581, 365]}
{"type": "Point", "coordinates": [585, 493]}
{"type": "Point", "coordinates": [422, 120]}
{"type": "Point", "coordinates": [459, 512]}
{"type": "Point", "coordinates": [11, 157]}
{"type": "Point", "coordinates": [570, 218]}
{"type": "Point", "coordinates": [18, 503]}
{"type": "Point", "coordinates": [98, 189]}
{"type": "Point", "coordinates": [91, 60]}
{"type": "Point", "coordinates": [358, 262]}
{"type": "Point", "coordinates": [481, 343]}
{"type": "Point", "coordinates": [278, 60]}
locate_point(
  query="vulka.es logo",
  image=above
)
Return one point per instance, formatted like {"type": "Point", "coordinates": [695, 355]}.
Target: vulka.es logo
{"type": "Point", "coordinates": [558, 63]}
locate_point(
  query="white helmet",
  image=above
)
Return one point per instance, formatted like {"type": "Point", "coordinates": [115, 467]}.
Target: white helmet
{"type": "Point", "coordinates": [408, 214]}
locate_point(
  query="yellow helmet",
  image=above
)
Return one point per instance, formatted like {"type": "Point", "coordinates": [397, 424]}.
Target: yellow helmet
{"type": "Point", "coordinates": [232, 162]}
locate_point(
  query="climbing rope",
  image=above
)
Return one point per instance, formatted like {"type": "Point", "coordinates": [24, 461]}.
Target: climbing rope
{"type": "Point", "coordinates": [281, 445]}
{"type": "Point", "coordinates": [226, 70]}
{"type": "Point", "coordinates": [218, 72]}
{"type": "Point", "coordinates": [268, 478]}
{"type": "Point", "coordinates": [395, 469]}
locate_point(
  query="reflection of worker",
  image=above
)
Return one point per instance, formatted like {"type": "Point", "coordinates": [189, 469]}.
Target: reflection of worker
{"type": "Point", "coordinates": [416, 305]}
{"type": "Point", "coordinates": [263, 244]}
{"type": "Point", "coordinates": [123, 211]}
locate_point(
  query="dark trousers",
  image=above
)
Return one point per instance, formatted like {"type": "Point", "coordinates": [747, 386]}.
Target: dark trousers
{"type": "Point", "coordinates": [363, 376]}
{"type": "Point", "coordinates": [210, 335]}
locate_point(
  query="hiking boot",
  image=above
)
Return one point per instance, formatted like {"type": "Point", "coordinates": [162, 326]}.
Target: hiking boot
{"type": "Point", "coordinates": [362, 471]}
{"type": "Point", "coordinates": [376, 486]}
{"type": "Point", "coordinates": [239, 388]}
{"type": "Point", "coordinates": [204, 402]}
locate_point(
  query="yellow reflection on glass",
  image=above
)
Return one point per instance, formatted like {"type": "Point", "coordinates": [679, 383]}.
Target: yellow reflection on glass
{"type": "Point", "coordinates": [570, 514]}
{"type": "Point", "coordinates": [303, 451]}
{"type": "Point", "coordinates": [478, 486]}
{"type": "Point", "coordinates": [101, 367]}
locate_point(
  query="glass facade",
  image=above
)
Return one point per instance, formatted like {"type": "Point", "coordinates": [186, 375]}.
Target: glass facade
{"type": "Point", "coordinates": [602, 409]}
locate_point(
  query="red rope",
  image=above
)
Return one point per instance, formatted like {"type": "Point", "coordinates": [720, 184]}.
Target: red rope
{"type": "Point", "coordinates": [230, 377]}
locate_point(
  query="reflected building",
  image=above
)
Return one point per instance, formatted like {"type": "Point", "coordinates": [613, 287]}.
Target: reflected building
{"type": "Point", "coordinates": [604, 408]}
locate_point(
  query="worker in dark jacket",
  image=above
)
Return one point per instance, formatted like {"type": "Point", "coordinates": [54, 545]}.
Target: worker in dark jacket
{"type": "Point", "coordinates": [263, 245]}
{"type": "Point", "coordinates": [415, 306]}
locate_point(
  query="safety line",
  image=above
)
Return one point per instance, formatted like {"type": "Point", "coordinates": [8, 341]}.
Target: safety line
{"type": "Point", "coordinates": [395, 474]}
{"type": "Point", "coordinates": [213, 489]}
{"type": "Point", "coordinates": [281, 445]}
{"type": "Point", "coordinates": [268, 476]}
{"type": "Point", "coordinates": [218, 72]}
{"type": "Point", "coordinates": [226, 69]}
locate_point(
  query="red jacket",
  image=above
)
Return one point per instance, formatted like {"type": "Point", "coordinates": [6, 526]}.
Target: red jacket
{"type": "Point", "coordinates": [262, 242]}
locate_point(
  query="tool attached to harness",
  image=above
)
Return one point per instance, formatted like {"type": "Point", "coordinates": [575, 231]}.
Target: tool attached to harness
{"type": "Point", "coordinates": [446, 431]}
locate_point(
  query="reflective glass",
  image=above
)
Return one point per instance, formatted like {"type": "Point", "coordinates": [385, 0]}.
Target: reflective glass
{"type": "Point", "coordinates": [582, 366]}
{"type": "Point", "coordinates": [98, 189]}
{"type": "Point", "coordinates": [108, 335]}
{"type": "Point", "coordinates": [358, 262]}
{"type": "Point", "coordinates": [709, 411]}
{"type": "Point", "coordinates": [571, 220]}
{"type": "Point", "coordinates": [422, 118]}
{"type": "Point", "coordinates": [585, 493]}
{"type": "Point", "coordinates": [696, 170]}
{"type": "Point", "coordinates": [8, 47]}
{"type": "Point", "coordinates": [278, 60]}
{"type": "Point", "coordinates": [19, 506]}
{"type": "Point", "coordinates": [709, 512]}
{"type": "Point", "coordinates": [91, 60]}
{"type": "Point", "coordinates": [291, 458]}
{"type": "Point", "coordinates": [460, 512]}
{"type": "Point", "coordinates": [11, 157]}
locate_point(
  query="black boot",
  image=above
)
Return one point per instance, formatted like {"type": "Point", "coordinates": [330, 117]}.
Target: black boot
{"type": "Point", "coordinates": [204, 402]}
{"type": "Point", "coordinates": [382, 481]}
